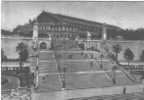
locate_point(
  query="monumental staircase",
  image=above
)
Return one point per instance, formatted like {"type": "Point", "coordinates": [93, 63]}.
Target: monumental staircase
{"type": "Point", "coordinates": [67, 66]}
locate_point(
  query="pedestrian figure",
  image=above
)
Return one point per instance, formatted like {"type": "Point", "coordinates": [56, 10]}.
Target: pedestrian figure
{"type": "Point", "coordinates": [114, 81]}
{"type": "Point", "coordinates": [124, 90]}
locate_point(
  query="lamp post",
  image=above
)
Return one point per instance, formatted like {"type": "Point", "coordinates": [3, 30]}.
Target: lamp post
{"type": "Point", "coordinates": [64, 85]}
{"type": "Point", "coordinates": [101, 65]}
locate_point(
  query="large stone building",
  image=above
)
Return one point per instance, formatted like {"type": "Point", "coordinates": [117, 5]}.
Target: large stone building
{"type": "Point", "coordinates": [51, 26]}
{"type": "Point", "coordinates": [72, 45]}
{"type": "Point", "coordinates": [66, 44]}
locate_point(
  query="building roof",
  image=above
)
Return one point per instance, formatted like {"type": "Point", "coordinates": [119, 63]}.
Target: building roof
{"type": "Point", "coordinates": [45, 17]}
{"type": "Point", "coordinates": [48, 17]}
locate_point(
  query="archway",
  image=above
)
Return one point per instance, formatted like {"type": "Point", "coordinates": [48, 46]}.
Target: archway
{"type": "Point", "coordinates": [43, 45]}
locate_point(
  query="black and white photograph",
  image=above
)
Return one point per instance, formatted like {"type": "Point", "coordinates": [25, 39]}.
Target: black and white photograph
{"type": "Point", "coordinates": [72, 50]}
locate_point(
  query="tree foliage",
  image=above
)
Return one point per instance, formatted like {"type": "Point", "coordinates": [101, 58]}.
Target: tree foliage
{"type": "Point", "coordinates": [6, 32]}
{"type": "Point", "coordinates": [3, 56]}
{"type": "Point", "coordinates": [116, 49]}
{"type": "Point", "coordinates": [81, 46]}
{"type": "Point", "coordinates": [127, 34]}
{"type": "Point", "coordinates": [23, 53]}
{"type": "Point", "coordinates": [128, 55]}
{"type": "Point", "coordinates": [112, 57]}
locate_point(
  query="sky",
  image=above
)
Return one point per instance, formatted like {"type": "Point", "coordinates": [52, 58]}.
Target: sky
{"type": "Point", "coordinates": [128, 15]}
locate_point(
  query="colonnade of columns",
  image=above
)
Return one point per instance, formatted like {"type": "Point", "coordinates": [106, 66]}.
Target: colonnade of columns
{"type": "Point", "coordinates": [78, 28]}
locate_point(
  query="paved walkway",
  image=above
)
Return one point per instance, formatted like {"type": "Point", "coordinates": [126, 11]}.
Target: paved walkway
{"type": "Point", "coordinates": [79, 72]}
{"type": "Point", "coordinates": [78, 93]}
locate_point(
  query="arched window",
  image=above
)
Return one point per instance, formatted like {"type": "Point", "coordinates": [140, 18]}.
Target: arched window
{"type": "Point", "coordinates": [67, 28]}
{"type": "Point", "coordinates": [43, 45]}
{"type": "Point", "coordinates": [63, 28]}
{"type": "Point", "coordinates": [52, 27]}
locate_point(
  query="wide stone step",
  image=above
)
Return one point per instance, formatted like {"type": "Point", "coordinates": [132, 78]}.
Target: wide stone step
{"type": "Point", "coordinates": [49, 83]}
{"type": "Point", "coordinates": [122, 79]}
{"type": "Point", "coordinates": [47, 67]}
{"type": "Point", "coordinates": [83, 81]}
{"type": "Point", "coordinates": [46, 56]}
{"type": "Point", "coordinates": [97, 80]}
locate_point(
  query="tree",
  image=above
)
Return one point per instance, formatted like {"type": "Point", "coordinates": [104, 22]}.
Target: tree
{"type": "Point", "coordinates": [6, 32]}
{"type": "Point", "coordinates": [142, 56]}
{"type": "Point", "coordinates": [112, 57]}
{"type": "Point", "coordinates": [128, 55]}
{"type": "Point", "coordinates": [81, 46]}
{"type": "Point", "coordinates": [4, 80]}
{"type": "Point", "coordinates": [23, 53]}
{"type": "Point", "coordinates": [116, 49]}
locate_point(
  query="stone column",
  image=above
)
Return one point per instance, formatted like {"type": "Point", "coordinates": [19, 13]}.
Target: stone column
{"type": "Point", "coordinates": [35, 46]}
{"type": "Point", "coordinates": [35, 30]}
{"type": "Point", "coordinates": [88, 39]}
{"type": "Point", "coordinates": [88, 36]}
{"type": "Point", "coordinates": [50, 41]}
{"type": "Point", "coordinates": [104, 32]}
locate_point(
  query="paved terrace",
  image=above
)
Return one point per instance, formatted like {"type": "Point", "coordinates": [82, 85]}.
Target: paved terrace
{"type": "Point", "coordinates": [82, 93]}
{"type": "Point", "coordinates": [131, 96]}
{"type": "Point", "coordinates": [80, 73]}
{"type": "Point", "coordinates": [50, 82]}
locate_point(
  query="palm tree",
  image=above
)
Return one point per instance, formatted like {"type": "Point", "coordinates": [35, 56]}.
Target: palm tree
{"type": "Point", "coordinates": [128, 55]}
{"type": "Point", "coordinates": [23, 53]}
{"type": "Point", "coordinates": [116, 49]}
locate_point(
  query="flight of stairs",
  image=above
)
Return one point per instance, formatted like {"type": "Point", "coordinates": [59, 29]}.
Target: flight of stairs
{"type": "Point", "coordinates": [67, 64]}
